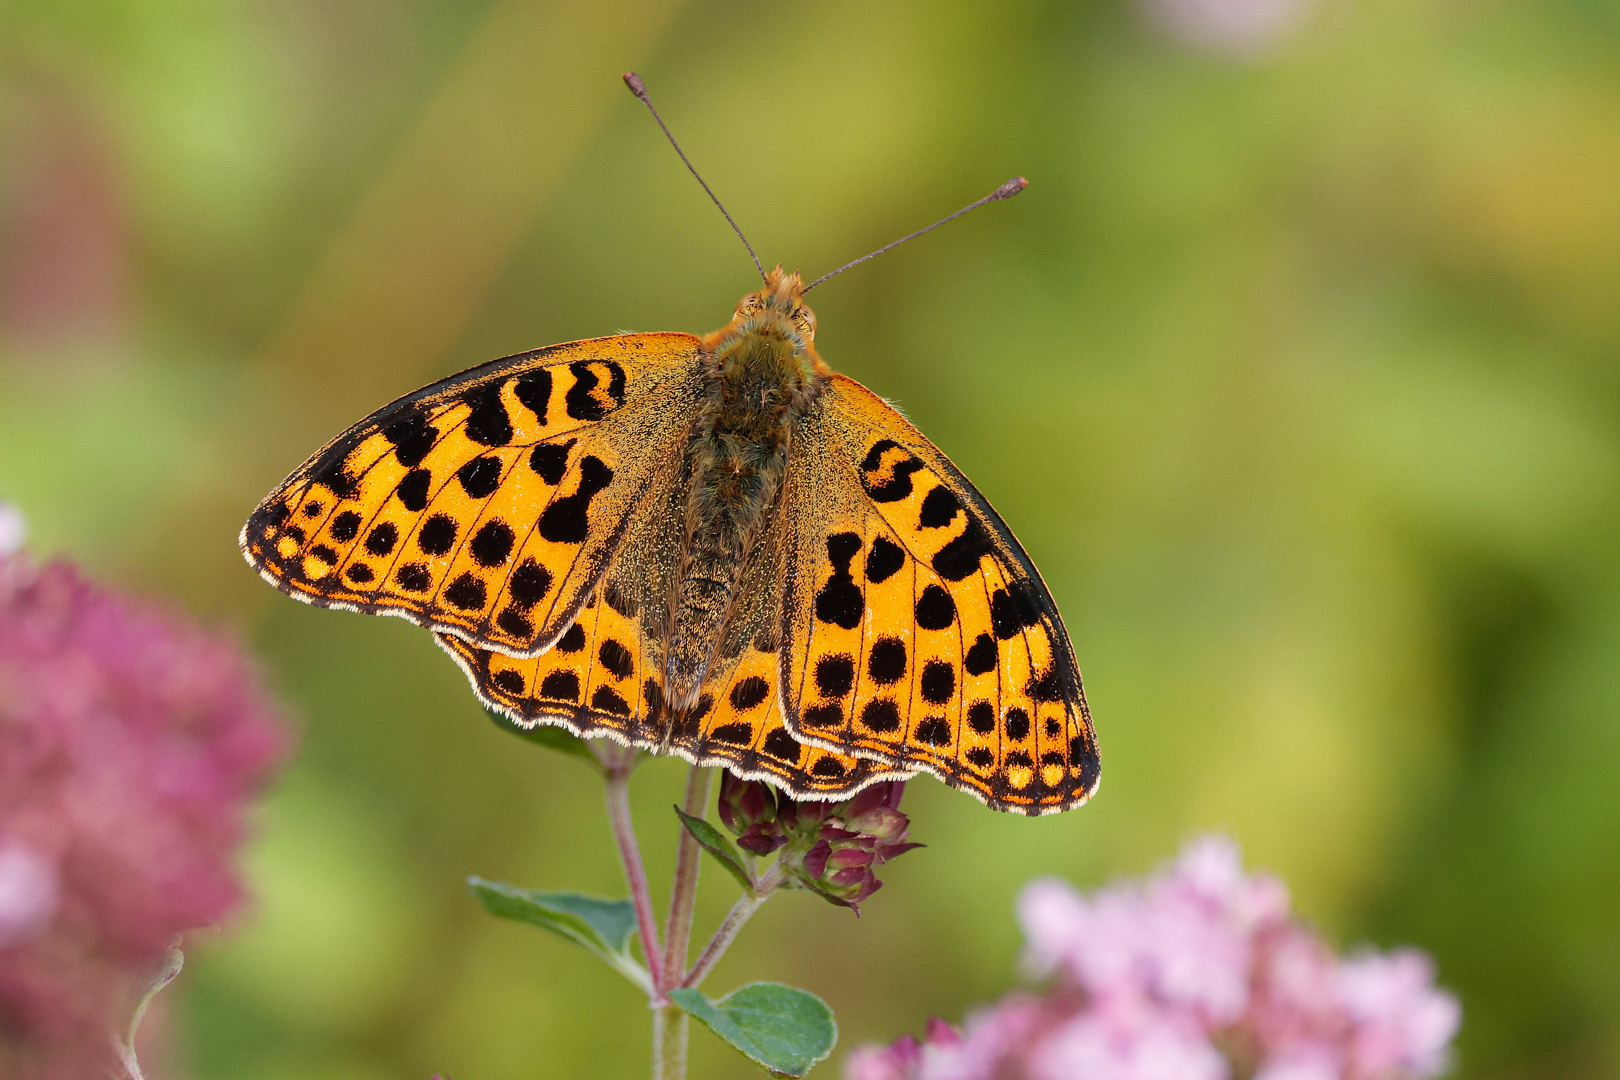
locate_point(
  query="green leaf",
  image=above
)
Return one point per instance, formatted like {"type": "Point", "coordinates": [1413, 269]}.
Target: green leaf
{"type": "Point", "coordinates": [783, 1029]}
{"type": "Point", "coordinates": [603, 927]}
{"type": "Point", "coordinates": [547, 735]}
{"type": "Point", "coordinates": [719, 845]}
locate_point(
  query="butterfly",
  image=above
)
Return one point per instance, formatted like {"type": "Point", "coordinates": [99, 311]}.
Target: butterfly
{"type": "Point", "coordinates": [715, 547]}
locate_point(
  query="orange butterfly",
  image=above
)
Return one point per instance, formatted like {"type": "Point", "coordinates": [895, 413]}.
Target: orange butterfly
{"type": "Point", "coordinates": [715, 547]}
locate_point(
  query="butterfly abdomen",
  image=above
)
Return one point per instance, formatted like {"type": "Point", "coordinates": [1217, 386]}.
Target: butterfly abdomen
{"type": "Point", "coordinates": [762, 379]}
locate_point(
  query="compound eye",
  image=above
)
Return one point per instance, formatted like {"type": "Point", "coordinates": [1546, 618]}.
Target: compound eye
{"type": "Point", "coordinates": [804, 321]}
{"type": "Point", "coordinates": [750, 304]}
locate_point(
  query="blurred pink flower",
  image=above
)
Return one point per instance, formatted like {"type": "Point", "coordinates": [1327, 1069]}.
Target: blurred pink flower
{"type": "Point", "coordinates": [1197, 973]}
{"type": "Point", "coordinates": [130, 746]}
{"type": "Point", "coordinates": [1238, 28]}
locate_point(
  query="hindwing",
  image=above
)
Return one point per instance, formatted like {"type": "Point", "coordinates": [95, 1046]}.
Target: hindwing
{"type": "Point", "coordinates": [921, 634]}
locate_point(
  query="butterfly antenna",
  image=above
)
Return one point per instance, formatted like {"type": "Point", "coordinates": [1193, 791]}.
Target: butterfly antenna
{"type": "Point", "coordinates": [1005, 191]}
{"type": "Point", "coordinates": [639, 88]}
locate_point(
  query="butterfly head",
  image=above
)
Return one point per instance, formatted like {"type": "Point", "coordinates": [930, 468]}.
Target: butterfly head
{"type": "Point", "coordinates": [780, 306]}
{"type": "Point", "coordinates": [774, 321]}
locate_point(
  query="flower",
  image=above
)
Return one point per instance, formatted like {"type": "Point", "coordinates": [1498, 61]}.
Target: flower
{"type": "Point", "coordinates": [1236, 28]}
{"type": "Point", "coordinates": [130, 746]}
{"type": "Point", "coordinates": [831, 847]}
{"type": "Point", "coordinates": [1198, 973]}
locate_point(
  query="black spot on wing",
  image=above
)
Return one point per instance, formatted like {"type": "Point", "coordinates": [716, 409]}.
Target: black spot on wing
{"type": "Point", "coordinates": [825, 715]}
{"type": "Point", "coordinates": [749, 692]}
{"type": "Point", "coordinates": [981, 717]}
{"type": "Point", "coordinates": [1017, 724]}
{"type": "Point", "coordinates": [735, 734]}
{"type": "Point", "coordinates": [509, 680]}
{"type": "Point", "coordinates": [587, 399]}
{"type": "Point", "coordinates": [467, 592]}
{"type": "Point", "coordinates": [381, 539]}
{"type": "Point", "coordinates": [413, 577]}
{"type": "Point", "coordinates": [828, 768]}
{"type": "Point", "coordinates": [412, 437]}
{"type": "Point", "coordinates": [567, 520]}
{"type": "Point", "coordinates": [334, 474]}
{"type": "Point", "coordinates": [782, 746]}
{"type": "Point", "coordinates": [413, 490]}
{"type": "Point", "coordinates": [938, 508]}
{"type": "Point", "coordinates": [616, 658]}
{"type": "Point", "coordinates": [528, 584]}
{"type": "Point", "coordinates": [560, 686]}
{"type": "Point", "coordinates": [883, 561]}
{"type": "Point", "coordinates": [1012, 609]}
{"type": "Point", "coordinates": [981, 658]}
{"type": "Point", "coordinates": [960, 557]}
{"type": "Point", "coordinates": [886, 663]}
{"type": "Point", "coordinates": [516, 623]}
{"type": "Point", "coordinates": [572, 641]}
{"type": "Point", "coordinates": [534, 391]}
{"type": "Point", "coordinates": [438, 535]}
{"type": "Point", "coordinates": [488, 423]}
{"type": "Point", "coordinates": [346, 526]}
{"type": "Point", "coordinates": [881, 715]}
{"type": "Point", "coordinates": [359, 573]}
{"type": "Point", "coordinates": [934, 731]}
{"type": "Point", "coordinates": [550, 461]}
{"type": "Point", "coordinates": [886, 471]}
{"type": "Point", "coordinates": [492, 544]}
{"type": "Point", "coordinates": [607, 700]}
{"type": "Point", "coordinates": [480, 476]}
{"type": "Point", "coordinates": [835, 675]}
{"type": "Point", "coordinates": [981, 757]}
{"type": "Point", "coordinates": [935, 609]}
{"type": "Point", "coordinates": [840, 602]}
{"type": "Point", "coordinates": [938, 682]}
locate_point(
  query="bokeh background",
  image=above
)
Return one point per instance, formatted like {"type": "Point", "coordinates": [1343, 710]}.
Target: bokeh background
{"type": "Point", "coordinates": [1295, 369]}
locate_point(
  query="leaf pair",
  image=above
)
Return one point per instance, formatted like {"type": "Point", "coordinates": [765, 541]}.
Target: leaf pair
{"type": "Point", "coordinates": [782, 1029]}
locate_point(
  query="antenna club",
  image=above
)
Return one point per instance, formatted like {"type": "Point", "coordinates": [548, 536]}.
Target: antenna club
{"type": "Point", "coordinates": [637, 87]}
{"type": "Point", "coordinates": [1005, 191]}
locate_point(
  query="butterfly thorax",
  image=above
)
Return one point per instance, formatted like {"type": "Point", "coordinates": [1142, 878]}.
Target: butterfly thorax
{"type": "Point", "coordinates": [764, 372]}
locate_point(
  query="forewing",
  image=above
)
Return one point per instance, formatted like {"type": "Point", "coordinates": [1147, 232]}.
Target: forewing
{"type": "Point", "coordinates": [921, 636]}
{"type": "Point", "coordinates": [487, 505]}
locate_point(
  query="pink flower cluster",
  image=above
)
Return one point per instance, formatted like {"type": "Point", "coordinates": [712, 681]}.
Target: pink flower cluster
{"type": "Point", "coordinates": [1198, 973]}
{"type": "Point", "coordinates": [130, 745]}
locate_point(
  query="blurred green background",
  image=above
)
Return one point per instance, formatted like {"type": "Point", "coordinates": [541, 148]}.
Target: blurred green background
{"type": "Point", "coordinates": [1295, 369]}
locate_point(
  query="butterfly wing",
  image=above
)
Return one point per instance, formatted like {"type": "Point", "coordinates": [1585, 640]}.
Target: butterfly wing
{"type": "Point", "coordinates": [595, 684]}
{"type": "Point", "coordinates": [604, 676]}
{"type": "Point", "coordinates": [488, 505]}
{"type": "Point", "coordinates": [921, 634]}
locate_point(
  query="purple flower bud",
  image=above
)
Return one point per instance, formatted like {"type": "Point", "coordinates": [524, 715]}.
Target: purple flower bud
{"type": "Point", "coordinates": [843, 842]}
{"type": "Point", "coordinates": [760, 838]}
{"type": "Point", "coordinates": [744, 803]}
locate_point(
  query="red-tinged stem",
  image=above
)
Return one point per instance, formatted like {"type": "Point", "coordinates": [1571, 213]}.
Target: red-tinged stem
{"type": "Point", "coordinates": [683, 895]}
{"type": "Point", "coordinates": [736, 919]}
{"type": "Point", "coordinates": [617, 783]}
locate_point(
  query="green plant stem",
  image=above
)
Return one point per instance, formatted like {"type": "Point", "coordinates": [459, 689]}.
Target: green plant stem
{"type": "Point", "coordinates": [617, 785]}
{"type": "Point", "coordinates": [670, 1029]}
{"type": "Point", "coordinates": [683, 895]}
{"type": "Point", "coordinates": [735, 920]}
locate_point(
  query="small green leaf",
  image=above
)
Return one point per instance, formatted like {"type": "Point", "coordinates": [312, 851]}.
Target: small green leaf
{"type": "Point", "coordinates": [719, 845]}
{"type": "Point", "coordinates": [783, 1029]}
{"type": "Point", "coordinates": [603, 927]}
{"type": "Point", "coordinates": [547, 735]}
